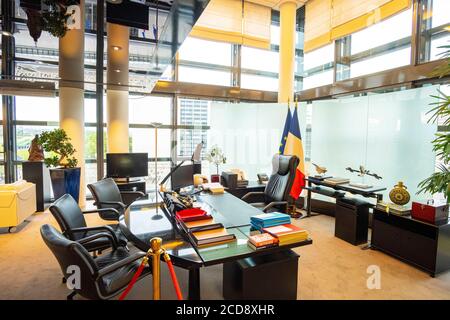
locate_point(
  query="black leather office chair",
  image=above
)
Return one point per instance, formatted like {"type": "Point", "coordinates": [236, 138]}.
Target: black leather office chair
{"type": "Point", "coordinates": [107, 195]}
{"type": "Point", "coordinates": [276, 193]}
{"type": "Point", "coordinates": [100, 278]}
{"type": "Point", "coordinates": [71, 220]}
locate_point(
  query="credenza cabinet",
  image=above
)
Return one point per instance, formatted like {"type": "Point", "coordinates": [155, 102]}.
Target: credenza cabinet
{"type": "Point", "coordinates": [424, 245]}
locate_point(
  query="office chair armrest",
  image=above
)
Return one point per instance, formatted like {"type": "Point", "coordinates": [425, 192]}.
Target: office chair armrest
{"type": "Point", "coordinates": [99, 235]}
{"type": "Point", "coordinates": [254, 193]}
{"type": "Point", "coordinates": [106, 228]}
{"type": "Point", "coordinates": [129, 197]}
{"type": "Point", "coordinates": [117, 203]}
{"type": "Point", "coordinates": [101, 210]}
{"type": "Point", "coordinates": [119, 264]}
{"type": "Point", "coordinates": [274, 203]}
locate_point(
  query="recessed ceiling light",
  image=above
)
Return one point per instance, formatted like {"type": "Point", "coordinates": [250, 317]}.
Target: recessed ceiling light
{"type": "Point", "coordinates": [114, 1]}
{"type": "Point", "coordinates": [117, 70]}
{"type": "Point", "coordinates": [7, 34]}
{"type": "Point", "coordinates": [116, 48]}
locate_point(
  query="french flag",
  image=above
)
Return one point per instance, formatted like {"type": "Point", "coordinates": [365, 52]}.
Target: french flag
{"type": "Point", "coordinates": [294, 147]}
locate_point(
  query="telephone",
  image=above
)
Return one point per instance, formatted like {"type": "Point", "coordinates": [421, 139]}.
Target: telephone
{"type": "Point", "coordinates": [176, 202]}
{"type": "Point", "coordinates": [263, 178]}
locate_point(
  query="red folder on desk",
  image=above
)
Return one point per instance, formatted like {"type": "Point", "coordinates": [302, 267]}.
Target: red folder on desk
{"type": "Point", "coordinates": [192, 214]}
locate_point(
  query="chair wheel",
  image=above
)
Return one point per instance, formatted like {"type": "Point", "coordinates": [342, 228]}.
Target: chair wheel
{"type": "Point", "coordinates": [12, 229]}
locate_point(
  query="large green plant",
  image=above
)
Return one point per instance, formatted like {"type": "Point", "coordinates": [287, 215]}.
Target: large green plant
{"type": "Point", "coordinates": [61, 150]}
{"type": "Point", "coordinates": [439, 182]}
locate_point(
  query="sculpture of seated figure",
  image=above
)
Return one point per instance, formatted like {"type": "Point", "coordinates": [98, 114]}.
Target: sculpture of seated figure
{"type": "Point", "coordinates": [35, 150]}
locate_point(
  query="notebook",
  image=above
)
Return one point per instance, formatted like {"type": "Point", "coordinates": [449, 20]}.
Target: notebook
{"type": "Point", "coordinates": [287, 233]}
{"type": "Point", "coordinates": [212, 236]}
{"type": "Point", "coordinates": [200, 225]}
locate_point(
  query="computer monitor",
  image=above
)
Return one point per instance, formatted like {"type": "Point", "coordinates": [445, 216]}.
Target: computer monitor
{"type": "Point", "coordinates": [126, 165]}
{"type": "Point", "coordinates": [182, 177]}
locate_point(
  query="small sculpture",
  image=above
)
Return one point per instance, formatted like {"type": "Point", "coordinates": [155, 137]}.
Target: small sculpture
{"type": "Point", "coordinates": [319, 169]}
{"type": "Point", "coordinates": [399, 195]}
{"type": "Point", "coordinates": [36, 152]}
{"type": "Point", "coordinates": [362, 172]}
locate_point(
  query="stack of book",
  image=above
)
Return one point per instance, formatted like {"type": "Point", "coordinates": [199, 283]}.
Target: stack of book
{"type": "Point", "coordinates": [202, 228]}
{"type": "Point", "coordinates": [265, 220]}
{"type": "Point", "coordinates": [287, 233]}
{"type": "Point", "coordinates": [214, 187]}
{"type": "Point", "coordinates": [262, 241]}
{"type": "Point", "coordinates": [393, 208]}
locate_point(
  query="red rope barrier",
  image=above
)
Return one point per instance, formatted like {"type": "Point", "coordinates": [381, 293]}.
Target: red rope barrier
{"type": "Point", "coordinates": [141, 268]}
{"type": "Point", "coordinates": [134, 279]}
{"type": "Point", "coordinates": [173, 276]}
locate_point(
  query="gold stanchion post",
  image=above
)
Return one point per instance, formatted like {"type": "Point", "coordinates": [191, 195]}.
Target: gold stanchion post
{"type": "Point", "coordinates": [156, 251]}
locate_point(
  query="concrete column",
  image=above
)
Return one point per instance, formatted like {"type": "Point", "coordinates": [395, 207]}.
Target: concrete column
{"type": "Point", "coordinates": [117, 90]}
{"type": "Point", "coordinates": [288, 11]}
{"type": "Point", "coordinates": [71, 93]}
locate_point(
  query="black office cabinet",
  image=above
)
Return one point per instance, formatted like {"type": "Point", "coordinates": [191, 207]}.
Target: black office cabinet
{"type": "Point", "coordinates": [132, 186]}
{"type": "Point", "coordinates": [424, 245]}
{"type": "Point", "coordinates": [38, 173]}
{"type": "Point", "coordinates": [352, 220]}
{"type": "Point", "coordinates": [267, 277]}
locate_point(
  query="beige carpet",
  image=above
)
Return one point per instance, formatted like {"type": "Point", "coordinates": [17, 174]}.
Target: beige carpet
{"type": "Point", "coordinates": [328, 269]}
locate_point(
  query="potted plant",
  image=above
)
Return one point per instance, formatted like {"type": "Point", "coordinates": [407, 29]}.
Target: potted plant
{"type": "Point", "coordinates": [216, 156]}
{"type": "Point", "coordinates": [439, 182]}
{"type": "Point", "coordinates": [49, 15]}
{"type": "Point", "coordinates": [64, 173]}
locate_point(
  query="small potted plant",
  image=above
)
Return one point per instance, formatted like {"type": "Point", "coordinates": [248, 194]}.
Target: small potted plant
{"type": "Point", "coordinates": [64, 173]}
{"type": "Point", "coordinates": [216, 156]}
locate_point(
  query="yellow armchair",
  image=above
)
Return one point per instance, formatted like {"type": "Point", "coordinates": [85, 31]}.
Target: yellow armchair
{"type": "Point", "coordinates": [17, 202]}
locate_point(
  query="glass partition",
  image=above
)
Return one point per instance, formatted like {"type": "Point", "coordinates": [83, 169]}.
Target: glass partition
{"type": "Point", "coordinates": [387, 133]}
{"type": "Point", "coordinates": [249, 134]}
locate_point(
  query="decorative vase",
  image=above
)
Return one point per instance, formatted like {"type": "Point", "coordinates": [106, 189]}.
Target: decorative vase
{"type": "Point", "coordinates": [399, 195]}
{"type": "Point", "coordinates": [66, 180]}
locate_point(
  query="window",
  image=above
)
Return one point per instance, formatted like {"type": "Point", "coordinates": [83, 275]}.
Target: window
{"type": "Point", "coordinates": [259, 69]}
{"type": "Point", "coordinates": [435, 29]}
{"type": "Point", "coordinates": [318, 67]}
{"type": "Point", "coordinates": [193, 120]}
{"type": "Point", "coordinates": [205, 76]}
{"type": "Point", "coordinates": [204, 51]}
{"type": "Point", "coordinates": [389, 47]}
{"type": "Point", "coordinates": [258, 59]}
{"type": "Point", "coordinates": [256, 82]}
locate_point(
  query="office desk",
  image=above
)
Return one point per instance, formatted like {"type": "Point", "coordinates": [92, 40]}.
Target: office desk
{"type": "Point", "coordinates": [315, 184]}
{"type": "Point", "coordinates": [140, 224]}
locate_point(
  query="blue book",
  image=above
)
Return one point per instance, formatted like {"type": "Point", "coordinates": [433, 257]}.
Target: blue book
{"type": "Point", "coordinates": [270, 220]}
{"type": "Point", "coordinates": [271, 216]}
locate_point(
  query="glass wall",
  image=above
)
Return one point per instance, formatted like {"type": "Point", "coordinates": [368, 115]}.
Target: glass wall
{"type": "Point", "coordinates": [386, 133]}
{"type": "Point", "coordinates": [249, 134]}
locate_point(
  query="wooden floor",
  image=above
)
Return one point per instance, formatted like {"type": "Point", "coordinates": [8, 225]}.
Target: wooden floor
{"type": "Point", "coordinates": [328, 269]}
